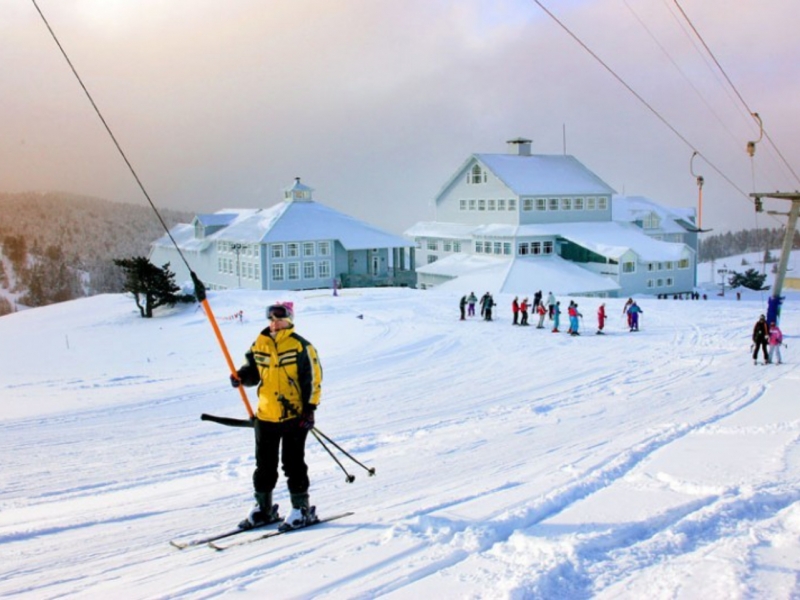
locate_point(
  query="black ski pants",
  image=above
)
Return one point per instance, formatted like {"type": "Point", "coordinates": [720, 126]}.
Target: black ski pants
{"type": "Point", "coordinates": [763, 346]}
{"type": "Point", "coordinates": [287, 441]}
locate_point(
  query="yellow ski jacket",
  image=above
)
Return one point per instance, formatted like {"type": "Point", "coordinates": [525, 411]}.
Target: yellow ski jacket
{"type": "Point", "coordinates": [288, 373]}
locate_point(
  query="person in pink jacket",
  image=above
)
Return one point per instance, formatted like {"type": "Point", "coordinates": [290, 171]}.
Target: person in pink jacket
{"type": "Point", "coordinates": [775, 341]}
{"type": "Point", "coordinates": [601, 318]}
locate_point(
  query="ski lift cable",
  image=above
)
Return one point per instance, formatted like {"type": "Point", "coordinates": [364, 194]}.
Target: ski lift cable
{"type": "Point", "coordinates": [683, 74]}
{"type": "Point", "coordinates": [200, 290]}
{"type": "Point", "coordinates": [641, 99]}
{"type": "Point", "coordinates": [736, 91]}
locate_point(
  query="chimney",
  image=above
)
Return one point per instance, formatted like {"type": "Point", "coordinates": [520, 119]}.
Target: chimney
{"type": "Point", "coordinates": [519, 146]}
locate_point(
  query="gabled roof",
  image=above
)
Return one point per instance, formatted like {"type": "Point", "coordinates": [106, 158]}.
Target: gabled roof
{"type": "Point", "coordinates": [633, 208]}
{"type": "Point", "coordinates": [292, 222]}
{"type": "Point", "coordinates": [219, 218]}
{"type": "Point", "coordinates": [537, 174]}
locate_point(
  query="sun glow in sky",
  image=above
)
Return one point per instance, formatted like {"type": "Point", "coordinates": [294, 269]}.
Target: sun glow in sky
{"type": "Point", "coordinates": [375, 104]}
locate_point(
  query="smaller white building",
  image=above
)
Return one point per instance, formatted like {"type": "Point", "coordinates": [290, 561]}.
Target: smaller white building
{"type": "Point", "coordinates": [519, 222]}
{"type": "Point", "coordinates": [294, 245]}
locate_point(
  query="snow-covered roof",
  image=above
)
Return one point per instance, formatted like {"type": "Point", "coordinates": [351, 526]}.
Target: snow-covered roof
{"type": "Point", "coordinates": [608, 238]}
{"type": "Point", "coordinates": [544, 174]}
{"type": "Point", "coordinates": [520, 275]}
{"type": "Point", "coordinates": [219, 218]}
{"type": "Point", "coordinates": [293, 222]}
{"type": "Point", "coordinates": [634, 208]}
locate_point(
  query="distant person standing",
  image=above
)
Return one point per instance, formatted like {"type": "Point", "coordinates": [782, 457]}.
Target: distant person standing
{"type": "Point", "coordinates": [601, 318]}
{"type": "Point", "coordinates": [625, 312]}
{"type": "Point", "coordinates": [775, 342]}
{"type": "Point", "coordinates": [633, 316]}
{"type": "Point", "coordinates": [556, 316]}
{"type": "Point", "coordinates": [471, 300]}
{"type": "Point", "coordinates": [551, 304]}
{"type": "Point", "coordinates": [462, 305]}
{"type": "Point", "coordinates": [523, 311]}
{"type": "Point", "coordinates": [515, 310]}
{"type": "Point", "coordinates": [542, 312]}
{"type": "Point", "coordinates": [486, 306]}
{"type": "Point", "coordinates": [760, 339]}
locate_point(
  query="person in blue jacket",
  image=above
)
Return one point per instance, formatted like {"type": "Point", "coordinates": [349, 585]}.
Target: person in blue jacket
{"type": "Point", "coordinates": [634, 310]}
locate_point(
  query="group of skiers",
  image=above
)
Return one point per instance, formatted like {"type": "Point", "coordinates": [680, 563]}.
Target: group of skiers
{"type": "Point", "coordinates": [767, 335]}
{"type": "Point", "coordinates": [542, 308]}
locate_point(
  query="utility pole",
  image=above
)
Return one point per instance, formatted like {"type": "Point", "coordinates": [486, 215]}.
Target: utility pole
{"type": "Point", "coordinates": [238, 248]}
{"type": "Point", "coordinates": [773, 309]}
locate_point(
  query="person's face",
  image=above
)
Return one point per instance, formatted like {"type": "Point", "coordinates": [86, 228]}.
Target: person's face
{"type": "Point", "coordinates": [276, 325]}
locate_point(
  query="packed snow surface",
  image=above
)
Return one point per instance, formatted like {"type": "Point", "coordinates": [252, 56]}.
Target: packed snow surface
{"type": "Point", "coordinates": [510, 462]}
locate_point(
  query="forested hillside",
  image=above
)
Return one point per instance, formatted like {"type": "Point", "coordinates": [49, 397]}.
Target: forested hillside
{"type": "Point", "coordinates": [720, 245]}
{"type": "Point", "coordinates": [58, 246]}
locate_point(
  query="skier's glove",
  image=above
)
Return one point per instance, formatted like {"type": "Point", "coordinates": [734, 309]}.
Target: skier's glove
{"type": "Point", "coordinates": [235, 381]}
{"type": "Point", "coordinates": [307, 418]}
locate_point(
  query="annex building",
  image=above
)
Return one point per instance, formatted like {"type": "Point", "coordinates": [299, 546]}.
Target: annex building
{"type": "Point", "coordinates": [296, 244]}
{"type": "Point", "coordinates": [519, 222]}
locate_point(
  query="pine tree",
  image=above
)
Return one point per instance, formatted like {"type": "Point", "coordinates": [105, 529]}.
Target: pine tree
{"type": "Point", "coordinates": [751, 279]}
{"type": "Point", "coordinates": [150, 285]}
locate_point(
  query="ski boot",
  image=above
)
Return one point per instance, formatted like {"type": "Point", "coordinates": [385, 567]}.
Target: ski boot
{"type": "Point", "coordinates": [301, 515]}
{"type": "Point", "coordinates": [263, 513]}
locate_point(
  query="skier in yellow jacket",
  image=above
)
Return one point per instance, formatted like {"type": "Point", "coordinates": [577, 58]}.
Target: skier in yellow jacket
{"type": "Point", "coordinates": [287, 370]}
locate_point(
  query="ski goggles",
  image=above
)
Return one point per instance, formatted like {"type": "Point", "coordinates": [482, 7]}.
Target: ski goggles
{"type": "Point", "coordinates": [276, 312]}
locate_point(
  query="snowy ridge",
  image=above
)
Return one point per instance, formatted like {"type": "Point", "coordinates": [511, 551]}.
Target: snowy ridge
{"type": "Point", "coordinates": [511, 462]}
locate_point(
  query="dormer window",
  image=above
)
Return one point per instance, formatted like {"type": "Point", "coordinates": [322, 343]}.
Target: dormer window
{"type": "Point", "coordinates": [651, 221]}
{"type": "Point", "coordinates": [476, 175]}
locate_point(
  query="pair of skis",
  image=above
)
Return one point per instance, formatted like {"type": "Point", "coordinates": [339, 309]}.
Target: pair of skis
{"type": "Point", "coordinates": [216, 542]}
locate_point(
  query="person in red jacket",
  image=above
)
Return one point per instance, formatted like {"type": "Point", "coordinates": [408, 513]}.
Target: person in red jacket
{"type": "Point", "coordinates": [601, 318]}
{"type": "Point", "coordinates": [515, 310]}
{"type": "Point", "coordinates": [523, 310]}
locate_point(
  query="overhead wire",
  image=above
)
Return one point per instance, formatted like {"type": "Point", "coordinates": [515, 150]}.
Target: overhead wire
{"type": "Point", "coordinates": [734, 88]}
{"type": "Point", "coordinates": [641, 99]}
{"type": "Point", "coordinates": [200, 290]}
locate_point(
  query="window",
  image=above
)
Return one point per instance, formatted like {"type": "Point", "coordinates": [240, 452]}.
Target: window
{"type": "Point", "coordinates": [481, 204]}
{"type": "Point", "coordinates": [472, 204]}
{"type": "Point", "coordinates": [448, 246]}
{"type": "Point", "coordinates": [522, 249]}
{"type": "Point", "coordinates": [602, 203]}
{"type": "Point", "coordinates": [650, 283]}
{"type": "Point", "coordinates": [277, 272]}
{"type": "Point", "coordinates": [660, 283]}
{"type": "Point", "coordinates": [309, 270]}
{"type": "Point", "coordinates": [651, 266]}
{"type": "Point", "coordinates": [462, 205]}
{"type": "Point", "coordinates": [487, 247]}
{"type": "Point", "coordinates": [433, 245]}
{"type": "Point", "coordinates": [553, 204]}
{"type": "Point", "coordinates": [498, 248]}
{"type": "Point", "coordinates": [477, 175]}
{"type": "Point", "coordinates": [292, 249]}
{"type": "Point", "coordinates": [683, 263]}
{"type": "Point", "coordinates": [456, 246]}
{"type": "Point", "coordinates": [501, 204]}
{"type": "Point", "coordinates": [294, 271]}
{"type": "Point", "coordinates": [512, 204]}
{"type": "Point", "coordinates": [492, 204]}
{"type": "Point", "coordinates": [507, 248]}
{"type": "Point", "coordinates": [277, 250]}
{"type": "Point", "coordinates": [541, 204]}
{"type": "Point", "coordinates": [566, 204]}
{"type": "Point", "coordinates": [479, 247]}
{"type": "Point", "coordinates": [527, 204]}
{"type": "Point", "coordinates": [548, 247]}
{"type": "Point", "coordinates": [324, 248]}
{"type": "Point", "coordinates": [670, 282]}
{"type": "Point", "coordinates": [651, 221]}
{"type": "Point", "coordinates": [536, 248]}
{"type": "Point", "coordinates": [578, 204]}
{"type": "Point", "coordinates": [324, 269]}
{"type": "Point", "coordinates": [590, 204]}
{"type": "Point", "coordinates": [432, 258]}
{"type": "Point", "coordinates": [308, 248]}
{"type": "Point", "coordinates": [669, 265]}
{"type": "Point", "coordinates": [629, 267]}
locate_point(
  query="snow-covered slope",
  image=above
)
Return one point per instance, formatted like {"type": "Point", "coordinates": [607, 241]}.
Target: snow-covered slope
{"type": "Point", "coordinates": [511, 462]}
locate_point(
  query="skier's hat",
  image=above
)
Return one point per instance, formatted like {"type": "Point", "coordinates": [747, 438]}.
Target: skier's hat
{"type": "Point", "coordinates": [281, 311]}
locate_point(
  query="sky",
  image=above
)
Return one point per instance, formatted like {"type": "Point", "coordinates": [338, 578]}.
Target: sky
{"type": "Point", "coordinates": [375, 104]}
{"type": "Point", "coordinates": [510, 462]}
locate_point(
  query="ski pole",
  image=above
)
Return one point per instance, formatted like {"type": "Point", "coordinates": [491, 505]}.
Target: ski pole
{"type": "Point", "coordinates": [350, 478]}
{"type": "Point", "coordinates": [370, 470]}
